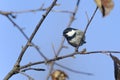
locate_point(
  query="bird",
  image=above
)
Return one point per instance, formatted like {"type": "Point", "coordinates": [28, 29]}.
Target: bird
{"type": "Point", "coordinates": [74, 37]}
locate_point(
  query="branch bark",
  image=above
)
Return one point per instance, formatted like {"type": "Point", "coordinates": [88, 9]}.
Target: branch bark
{"type": "Point", "coordinates": [67, 56]}
{"type": "Point", "coordinates": [17, 64]}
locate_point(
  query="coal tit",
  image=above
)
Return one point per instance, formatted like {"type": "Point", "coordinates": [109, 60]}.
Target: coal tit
{"type": "Point", "coordinates": [74, 37]}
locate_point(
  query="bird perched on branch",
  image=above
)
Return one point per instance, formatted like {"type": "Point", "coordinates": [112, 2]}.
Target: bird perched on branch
{"type": "Point", "coordinates": [74, 37]}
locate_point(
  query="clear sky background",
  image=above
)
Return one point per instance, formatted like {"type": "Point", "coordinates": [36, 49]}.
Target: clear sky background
{"type": "Point", "coordinates": [102, 34]}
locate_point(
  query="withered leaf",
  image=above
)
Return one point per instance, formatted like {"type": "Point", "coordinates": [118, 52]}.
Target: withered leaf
{"type": "Point", "coordinates": [59, 75]}
{"type": "Point", "coordinates": [105, 6]}
{"type": "Point", "coordinates": [116, 67]}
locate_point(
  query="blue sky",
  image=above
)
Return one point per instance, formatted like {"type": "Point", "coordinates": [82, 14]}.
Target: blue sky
{"type": "Point", "coordinates": [102, 34]}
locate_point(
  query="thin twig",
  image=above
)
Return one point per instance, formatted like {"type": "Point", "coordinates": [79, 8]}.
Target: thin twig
{"type": "Point", "coordinates": [18, 27]}
{"type": "Point", "coordinates": [29, 77]}
{"type": "Point", "coordinates": [40, 9]}
{"type": "Point", "coordinates": [90, 21]}
{"type": "Point", "coordinates": [87, 16]}
{"type": "Point", "coordinates": [54, 50]}
{"type": "Point", "coordinates": [86, 28]}
{"type": "Point", "coordinates": [36, 69]}
{"type": "Point", "coordinates": [33, 10]}
{"type": "Point", "coordinates": [75, 71]}
{"type": "Point", "coordinates": [74, 13]}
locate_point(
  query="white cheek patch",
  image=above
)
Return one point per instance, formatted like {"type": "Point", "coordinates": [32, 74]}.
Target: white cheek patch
{"type": "Point", "coordinates": [71, 33]}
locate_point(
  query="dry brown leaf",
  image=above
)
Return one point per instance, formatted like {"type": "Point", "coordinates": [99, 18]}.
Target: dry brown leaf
{"type": "Point", "coordinates": [116, 67]}
{"type": "Point", "coordinates": [105, 6]}
{"type": "Point", "coordinates": [59, 75]}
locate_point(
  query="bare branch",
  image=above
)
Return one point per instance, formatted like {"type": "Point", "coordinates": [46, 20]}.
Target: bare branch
{"type": "Point", "coordinates": [69, 55]}
{"type": "Point", "coordinates": [16, 66]}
